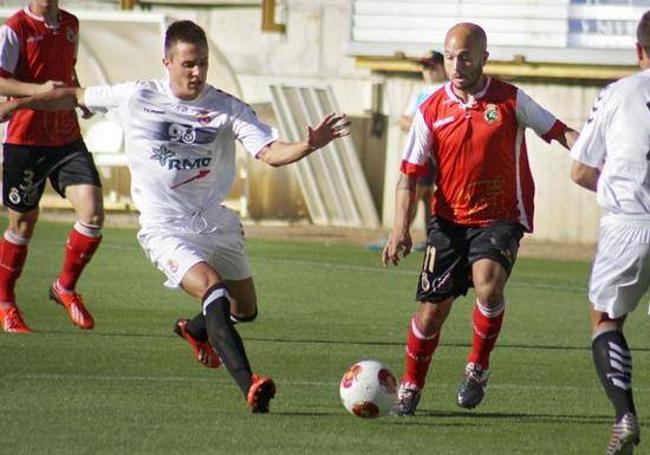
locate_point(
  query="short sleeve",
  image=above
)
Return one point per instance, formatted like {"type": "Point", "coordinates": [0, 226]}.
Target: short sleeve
{"type": "Point", "coordinates": [249, 130]}
{"type": "Point", "coordinates": [590, 147]}
{"type": "Point", "coordinates": [9, 51]}
{"type": "Point", "coordinates": [417, 151]}
{"type": "Point", "coordinates": [532, 115]}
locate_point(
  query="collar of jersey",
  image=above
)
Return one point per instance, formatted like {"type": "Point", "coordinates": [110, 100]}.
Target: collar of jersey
{"type": "Point", "coordinates": [31, 14]}
{"type": "Point", "coordinates": [472, 101]}
{"type": "Point", "coordinates": [168, 90]}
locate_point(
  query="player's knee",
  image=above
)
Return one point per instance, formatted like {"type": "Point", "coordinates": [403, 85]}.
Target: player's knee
{"type": "Point", "coordinates": [489, 293]}
{"type": "Point", "coordinates": [430, 318]}
{"type": "Point", "coordinates": [95, 219]}
{"type": "Point", "coordinates": [22, 224]}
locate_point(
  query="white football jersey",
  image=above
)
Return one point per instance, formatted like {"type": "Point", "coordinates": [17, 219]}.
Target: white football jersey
{"type": "Point", "coordinates": [181, 154]}
{"type": "Point", "coordinates": [616, 140]}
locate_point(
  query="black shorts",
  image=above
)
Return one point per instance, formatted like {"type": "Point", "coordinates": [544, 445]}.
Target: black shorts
{"type": "Point", "coordinates": [452, 249]}
{"type": "Point", "coordinates": [26, 168]}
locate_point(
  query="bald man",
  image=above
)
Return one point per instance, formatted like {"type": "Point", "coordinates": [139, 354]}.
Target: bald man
{"type": "Point", "coordinates": [611, 158]}
{"type": "Point", "coordinates": [472, 131]}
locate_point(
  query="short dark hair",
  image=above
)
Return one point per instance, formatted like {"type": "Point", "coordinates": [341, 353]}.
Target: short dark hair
{"type": "Point", "coordinates": [432, 58]}
{"type": "Point", "coordinates": [643, 32]}
{"type": "Point", "coordinates": [185, 31]}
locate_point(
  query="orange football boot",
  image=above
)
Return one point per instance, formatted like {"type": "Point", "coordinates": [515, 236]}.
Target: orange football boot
{"type": "Point", "coordinates": [203, 351]}
{"type": "Point", "coordinates": [74, 305]}
{"type": "Point", "coordinates": [12, 321]}
{"type": "Point", "coordinates": [260, 394]}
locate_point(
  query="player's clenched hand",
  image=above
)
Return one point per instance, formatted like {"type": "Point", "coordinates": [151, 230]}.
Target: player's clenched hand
{"type": "Point", "coordinates": [396, 245]}
{"type": "Point", "coordinates": [47, 86]}
{"type": "Point", "coordinates": [85, 112]}
{"type": "Point", "coordinates": [331, 127]}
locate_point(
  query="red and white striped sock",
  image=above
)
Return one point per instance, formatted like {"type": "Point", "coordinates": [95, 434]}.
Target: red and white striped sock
{"type": "Point", "coordinates": [13, 253]}
{"type": "Point", "coordinates": [82, 243]}
{"type": "Point", "coordinates": [419, 350]}
{"type": "Point", "coordinates": [487, 326]}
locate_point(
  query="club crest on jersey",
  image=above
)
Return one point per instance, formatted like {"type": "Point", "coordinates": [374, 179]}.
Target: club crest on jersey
{"type": "Point", "coordinates": [204, 117]}
{"type": "Point", "coordinates": [491, 114]}
{"type": "Point", "coordinates": [70, 35]}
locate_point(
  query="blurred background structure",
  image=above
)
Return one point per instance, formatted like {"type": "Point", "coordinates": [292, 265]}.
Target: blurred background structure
{"type": "Point", "coordinates": [361, 52]}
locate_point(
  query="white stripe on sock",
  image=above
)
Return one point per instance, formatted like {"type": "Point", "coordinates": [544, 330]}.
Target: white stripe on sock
{"type": "Point", "coordinates": [619, 358]}
{"type": "Point", "coordinates": [216, 294]}
{"type": "Point", "coordinates": [619, 349]}
{"type": "Point", "coordinates": [15, 238]}
{"type": "Point", "coordinates": [88, 230]}
{"type": "Point", "coordinates": [419, 335]}
{"type": "Point", "coordinates": [620, 367]}
{"type": "Point", "coordinates": [491, 313]}
{"type": "Point", "coordinates": [621, 384]}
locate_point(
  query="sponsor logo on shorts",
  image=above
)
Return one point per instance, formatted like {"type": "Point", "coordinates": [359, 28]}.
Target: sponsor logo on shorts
{"type": "Point", "coordinates": [14, 196]}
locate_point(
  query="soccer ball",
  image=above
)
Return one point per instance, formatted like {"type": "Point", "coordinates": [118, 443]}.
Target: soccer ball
{"type": "Point", "coordinates": [368, 389]}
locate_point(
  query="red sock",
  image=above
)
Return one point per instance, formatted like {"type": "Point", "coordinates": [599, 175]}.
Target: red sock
{"type": "Point", "coordinates": [13, 252]}
{"type": "Point", "coordinates": [80, 247]}
{"type": "Point", "coordinates": [419, 350]}
{"type": "Point", "coordinates": [487, 326]}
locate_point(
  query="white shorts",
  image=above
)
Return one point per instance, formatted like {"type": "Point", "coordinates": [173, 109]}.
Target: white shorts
{"type": "Point", "coordinates": [215, 236]}
{"type": "Point", "coordinates": [621, 270]}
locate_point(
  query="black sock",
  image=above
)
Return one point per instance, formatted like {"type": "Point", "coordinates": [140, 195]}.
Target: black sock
{"type": "Point", "coordinates": [613, 363]}
{"type": "Point", "coordinates": [196, 327]}
{"type": "Point", "coordinates": [224, 338]}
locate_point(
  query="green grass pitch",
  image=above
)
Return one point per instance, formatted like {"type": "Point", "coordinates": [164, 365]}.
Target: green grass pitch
{"type": "Point", "coordinates": [130, 386]}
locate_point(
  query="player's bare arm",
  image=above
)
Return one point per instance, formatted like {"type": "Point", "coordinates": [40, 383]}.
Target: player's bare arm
{"type": "Point", "coordinates": [15, 88]}
{"type": "Point", "coordinates": [585, 176]}
{"type": "Point", "coordinates": [280, 153]}
{"type": "Point", "coordinates": [60, 99]}
{"type": "Point", "coordinates": [400, 241]}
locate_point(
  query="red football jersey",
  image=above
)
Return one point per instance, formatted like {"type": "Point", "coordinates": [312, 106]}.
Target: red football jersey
{"type": "Point", "coordinates": [32, 51]}
{"type": "Point", "coordinates": [479, 150]}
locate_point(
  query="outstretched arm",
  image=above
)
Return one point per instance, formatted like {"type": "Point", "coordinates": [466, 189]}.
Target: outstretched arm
{"type": "Point", "coordinates": [60, 99]}
{"type": "Point", "coordinates": [280, 153]}
{"type": "Point", "coordinates": [15, 88]}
